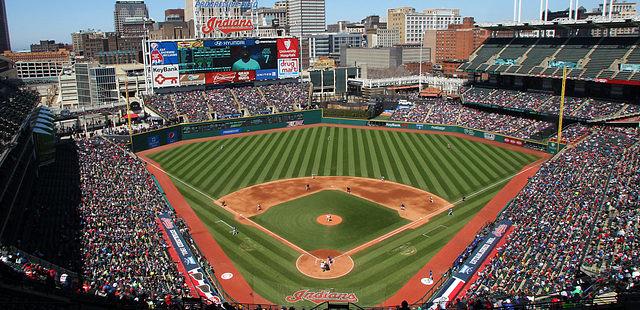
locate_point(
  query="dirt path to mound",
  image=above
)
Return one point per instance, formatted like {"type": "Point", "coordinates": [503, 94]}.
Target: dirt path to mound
{"type": "Point", "coordinates": [389, 194]}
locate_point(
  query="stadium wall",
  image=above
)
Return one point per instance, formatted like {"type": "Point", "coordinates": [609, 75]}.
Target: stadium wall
{"type": "Point", "coordinates": [549, 147]}
{"type": "Point", "coordinates": [170, 135]}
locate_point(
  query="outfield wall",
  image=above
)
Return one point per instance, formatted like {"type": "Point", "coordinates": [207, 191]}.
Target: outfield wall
{"type": "Point", "coordinates": [173, 134]}
{"type": "Point", "coordinates": [549, 147]}
{"type": "Point", "coordinates": [170, 135]}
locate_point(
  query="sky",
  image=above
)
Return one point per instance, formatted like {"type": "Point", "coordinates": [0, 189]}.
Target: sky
{"type": "Point", "coordinates": [34, 20]}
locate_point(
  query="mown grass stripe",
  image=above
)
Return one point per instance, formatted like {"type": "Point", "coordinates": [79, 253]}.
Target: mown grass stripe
{"type": "Point", "coordinates": [474, 160]}
{"type": "Point", "coordinates": [205, 176]}
{"type": "Point", "coordinates": [404, 166]}
{"type": "Point", "coordinates": [450, 190]}
{"type": "Point", "coordinates": [301, 147]}
{"type": "Point", "coordinates": [329, 163]}
{"type": "Point", "coordinates": [229, 174]}
{"type": "Point", "coordinates": [320, 152]}
{"type": "Point", "coordinates": [351, 147]}
{"type": "Point", "coordinates": [311, 154]}
{"type": "Point", "coordinates": [260, 164]}
{"type": "Point", "coordinates": [273, 158]}
{"type": "Point", "coordinates": [407, 152]}
{"type": "Point", "coordinates": [292, 145]}
{"type": "Point", "coordinates": [465, 175]}
{"type": "Point", "coordinates": [377, 173]}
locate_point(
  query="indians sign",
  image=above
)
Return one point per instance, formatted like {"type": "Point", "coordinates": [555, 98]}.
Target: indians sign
{"type": "Point", "coordinates": [227, 26]}
{"type": "Point", "coordinates": [321, 296]}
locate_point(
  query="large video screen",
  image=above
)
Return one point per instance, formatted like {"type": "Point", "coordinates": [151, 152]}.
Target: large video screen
{"type": "Point", "coordinates": [200, 62]}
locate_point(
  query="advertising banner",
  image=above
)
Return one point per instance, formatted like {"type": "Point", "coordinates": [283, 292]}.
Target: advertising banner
{"type": "Point", "coordinates": [288, 48]}
{"type": "Point", "coordinates": [230, 77]}
{"type": "Point", "coordinates": [165, 76]}
{"type": "Point", "coordinates": [220, 77]}
{"type": "Point", "coordinates": [288, 68]}
{"type": "Point", "coordinates": [212, 61]}
{"type": "Point", "coordinates": [478, 256]}
{"type": "Point", "coordinates": [265, 75]}
{"type": "Point", "coordinates": [227, 25]}
{"type": "Point", "coordinates": [192, 79]}
{"type": "Point", "coordinates": [164, 53]}
{"type": "Point", "coordinates": [188, 260]}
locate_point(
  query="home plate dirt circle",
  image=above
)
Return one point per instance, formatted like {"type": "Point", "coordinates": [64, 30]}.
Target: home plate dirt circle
{"type": "Point", "coordinates": [309, 265]}
{"type": "Point", "coordinates": [324, 220]}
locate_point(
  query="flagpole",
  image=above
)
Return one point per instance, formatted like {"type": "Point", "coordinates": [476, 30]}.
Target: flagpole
{"type": "Point", "coordinates": [563, 92]}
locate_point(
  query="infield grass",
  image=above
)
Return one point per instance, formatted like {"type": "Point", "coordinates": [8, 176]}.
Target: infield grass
{"type": "Point", "coordinates": [419, 160]}
{"type": "Point", "coordinates": [362, 221]}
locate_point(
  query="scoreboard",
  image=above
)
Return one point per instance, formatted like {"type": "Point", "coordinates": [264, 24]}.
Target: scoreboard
{"type": "Point", "coordinates": [221, 61]}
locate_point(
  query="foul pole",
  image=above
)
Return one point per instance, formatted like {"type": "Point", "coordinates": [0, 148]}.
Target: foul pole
{"type": "Point", "coordinates": [563, 92]}
{"type": "Point", "coordinates": [126, 87]}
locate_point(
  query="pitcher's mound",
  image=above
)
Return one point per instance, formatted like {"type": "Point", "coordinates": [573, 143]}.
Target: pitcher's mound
{"type": "Point", "coordinates": [309, 265]}
{"type": "Point", "coordinates": [325, 220]}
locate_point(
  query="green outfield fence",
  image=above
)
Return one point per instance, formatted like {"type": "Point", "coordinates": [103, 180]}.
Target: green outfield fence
{"type": "Point", "coordinates": [183, 132]}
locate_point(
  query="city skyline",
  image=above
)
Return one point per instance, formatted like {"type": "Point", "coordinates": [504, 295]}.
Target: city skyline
{"type": "Point", "coordinates": [57, 23]}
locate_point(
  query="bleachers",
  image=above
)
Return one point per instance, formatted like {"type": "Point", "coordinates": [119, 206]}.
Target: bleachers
{"type": "Point", "coordinates": [595, 57]}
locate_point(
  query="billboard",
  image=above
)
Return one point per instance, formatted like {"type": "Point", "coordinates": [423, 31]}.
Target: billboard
{"type": "Point", "coordinates": [222, 61]}
{"type": "Point", "coordinates": [165, 76]}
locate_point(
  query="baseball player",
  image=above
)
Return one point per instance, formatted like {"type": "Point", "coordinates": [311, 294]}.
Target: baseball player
{"type": "Point", "coordinates": [259, 208]}
{"type": "Point", "coordinates": [450, 212]}
{"type": "Point", "coordinates": [307, 187]}
{"type": "Point", "coordinates": [348, 190]}
{"type": "Point", "coordinates": [430, 199]}
{"type": "Point", "coordinates": [234, 231]}
{"type": "Point", "coordinates": [402, 207]}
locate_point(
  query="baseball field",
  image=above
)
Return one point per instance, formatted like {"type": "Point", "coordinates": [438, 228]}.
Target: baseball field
{"type": "Point", "coordinates": [394, 221]}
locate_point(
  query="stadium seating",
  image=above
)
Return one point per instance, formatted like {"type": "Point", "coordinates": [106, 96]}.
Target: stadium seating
{"type": "Point", "coordinates": [451, 112]}
{"type": "Point", "coordinates": [579, 209]}
{"type": "Point", "coordinates": [225, 103]}
{"type": "Point", "coordinates": [579, 108]}
{"type": "Point", "coordinates": [15, 106]}
{"type": "Point", "coordinates": [594, 57]}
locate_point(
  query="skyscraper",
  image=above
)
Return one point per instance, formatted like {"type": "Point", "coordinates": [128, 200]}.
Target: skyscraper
{"type": "Point", "coordinates": [127, 9]}
{"type": "Point", "coordinates": [306, 17]}
{"type": "Point", "coordinates": [5, 44]}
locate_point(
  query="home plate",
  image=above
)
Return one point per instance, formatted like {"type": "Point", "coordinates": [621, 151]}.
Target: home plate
{"type": "Point", "coordinates": [426, 281]}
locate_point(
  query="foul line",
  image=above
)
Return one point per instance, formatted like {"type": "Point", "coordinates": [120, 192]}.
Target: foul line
{"type": "Point", "coordinates": [242, 217]}
{"type": "Point", "coordinates": [450, 205]}
{"type": "Point", "coordinates": [221, 221]}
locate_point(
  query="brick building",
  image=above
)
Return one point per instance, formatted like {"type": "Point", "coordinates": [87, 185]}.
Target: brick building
{"type": "Point", "coordinates": [454, 45]}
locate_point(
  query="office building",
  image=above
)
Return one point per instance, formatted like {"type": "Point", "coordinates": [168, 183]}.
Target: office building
{"type": "Point", "coordinates": [39, 65]}
{"type": "Point", "coordinates": [383, 58]}
{"type": "Point", "coordinates": [306, 17]}
{"type": "Point", "coordinates": [128, 9]}
{"type": "Point", "coordinates": [412, 24]}
{"type": "Point", "coordinates": [174, 15]}
{"type": "Point", "coordinates": [47, 46]}
{"type": "Point", "coordinates": [451, 47]}
{"type": "Point", "coordinates": [5, 42]}
{"type": "Point", "coordinates": [383, 38]}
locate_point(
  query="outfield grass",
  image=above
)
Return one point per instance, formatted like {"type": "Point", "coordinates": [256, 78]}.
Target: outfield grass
{"type": "Point", "coordinates": [362, 221]}
{"type": "Point", "coordinates": [419, 160]}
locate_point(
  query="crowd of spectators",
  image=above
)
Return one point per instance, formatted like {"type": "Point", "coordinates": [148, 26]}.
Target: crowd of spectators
{"type": "Point", "coordinates": [579, 210]}
{"type": "Point", "coordinates": [251, 100]}
{"type": "Point", "coordinates": [451, 112]}
{"type": "Point", "coordinates": [226, 103]}
{"type": "Point", "coordinates": [122, 250]}
{"type": "Point", "coordinates": [222, 103]}
{"type": "Point", "coordinates": [285, 97]}
{"type": "Point", "coordinates": [15, 106]}
{"type": "Point", "coordinates": [190, 104]}
{"type": "Point", "coordinates": [583, 108]}
{"type": "Point", "coordinates": [572, 132]}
